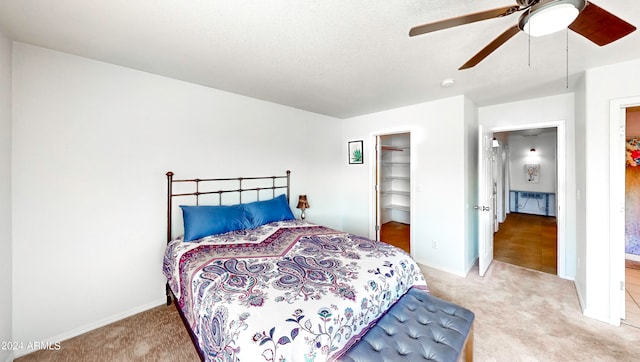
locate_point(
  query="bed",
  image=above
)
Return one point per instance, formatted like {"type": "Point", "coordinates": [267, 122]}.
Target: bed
{"type": "Point", "coordinates": [252, 283]}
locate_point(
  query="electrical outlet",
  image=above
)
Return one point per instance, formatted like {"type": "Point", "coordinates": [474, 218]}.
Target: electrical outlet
{"type": "Point", "coordinates": [434, 244]}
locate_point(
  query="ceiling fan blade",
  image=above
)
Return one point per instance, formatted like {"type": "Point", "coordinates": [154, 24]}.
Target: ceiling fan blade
{"type": "Point", "coordinates": [495, 44]}
{"type": "Point", "coordinates": [600, 26]}
{"type": "Point", "coordinates": [465, 19]}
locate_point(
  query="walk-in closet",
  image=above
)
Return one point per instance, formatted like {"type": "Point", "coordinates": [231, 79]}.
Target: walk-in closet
{"type": "Point", "coordinates": [394, 166]}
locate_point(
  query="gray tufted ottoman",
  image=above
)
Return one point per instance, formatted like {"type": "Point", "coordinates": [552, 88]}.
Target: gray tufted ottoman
{"type": "Point", "coordinates": [419, 327]}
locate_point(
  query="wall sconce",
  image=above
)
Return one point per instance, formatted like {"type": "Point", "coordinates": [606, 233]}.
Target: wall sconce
{"type": "Point", "coordinates": [495, 143]}
{"type": "Point", "coordinates": [302, 205]}
{"type": "Point", "coordinates": [532, 150]}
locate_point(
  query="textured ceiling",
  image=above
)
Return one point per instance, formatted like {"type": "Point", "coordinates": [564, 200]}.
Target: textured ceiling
{"type": "Point", "coordinates": [335, 57]}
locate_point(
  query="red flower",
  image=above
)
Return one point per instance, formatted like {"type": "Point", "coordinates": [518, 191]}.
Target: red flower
{"type": "Point", "coordinates": [635, 154]}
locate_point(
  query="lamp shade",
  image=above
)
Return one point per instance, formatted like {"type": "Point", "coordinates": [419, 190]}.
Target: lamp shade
{"type": "Point", "coordinates": [302, 202]}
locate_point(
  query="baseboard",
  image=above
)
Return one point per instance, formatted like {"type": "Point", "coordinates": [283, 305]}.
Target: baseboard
{"type": "Point", "coordinates": [101, 323]}
{"type": "Point", "coordinates": [567, 277]}
{"type": "Point", "coordinates": [446, 270]}
{"type": "Point", "coordinates": [588, 312]}
{"type": "Point", "coordinates": [632, 257]}
{"type": "Point", "coordinates": [604, 319]}
{"type": "Point", "coordinates": [580, 297]}
{"type": "Point", "coordinates": [475, 263]}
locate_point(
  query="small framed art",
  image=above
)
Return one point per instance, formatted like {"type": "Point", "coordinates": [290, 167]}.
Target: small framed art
{"type": "Point", "coordinates": [356, 155]}
{"type": "Point", "coordinates": [532, 173]}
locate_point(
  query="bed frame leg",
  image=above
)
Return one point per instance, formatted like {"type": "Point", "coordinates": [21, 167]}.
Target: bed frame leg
{"type": "Point", "coordinates": [168, 291]}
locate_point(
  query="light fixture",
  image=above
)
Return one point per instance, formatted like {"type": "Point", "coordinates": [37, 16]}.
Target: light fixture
{"type": "Point", "coordinates": [447, 83]}
{"type": "Point", "coordinates": [495, 143]}
{"type": "Point", "coordinates": [302, 205]}
{"type": "Point", "coordinates": [533, 150]}
{"type": "Point", "coordinates": [550, 16]}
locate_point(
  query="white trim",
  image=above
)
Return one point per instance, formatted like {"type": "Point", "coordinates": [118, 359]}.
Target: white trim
{"type": "Point", "coordinates": [632, 257]}
{"type": "Point", "coordinates": [617, 124]}
{"type": "Point", "coordinates": [373, 179]}
{"type": "Point", "coordinates": [91, 326]}
{"type": "Point", "coordinates": [445, 269]}
{"type": "Point", "coordinates": [561, 198]}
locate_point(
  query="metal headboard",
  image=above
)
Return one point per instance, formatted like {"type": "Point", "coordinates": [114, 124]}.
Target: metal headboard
{"type": "Point", "coordinates": [239, 190]}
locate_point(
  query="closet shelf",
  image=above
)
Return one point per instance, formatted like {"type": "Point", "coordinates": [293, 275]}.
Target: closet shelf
{"type": "Point", "coordinates": [396, 192]}
{"type": "Point", "coordinates": [403, 178]}
{"type": "Point", "coordinates": [397, 207]}
{"type": "Point", "coordinates": [393, 148]}
{"type": "Point", "coordinates": [393, 163]}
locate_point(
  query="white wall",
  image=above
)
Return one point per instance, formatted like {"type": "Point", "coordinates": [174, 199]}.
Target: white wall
{"type": "Point", "coordinates": [439, 179]}
{"type": "Point", "coordinates": [470, 180]}
{"type": "Point", "coordinates": [5, 195]}
{"type": "Point", "coordinates": [545, 156]}
{"type": "Point", "coordinates": [602, 85]}
{"type": "Point", "coordinates": [580, 192]}
{"type": "Point", "coordinates": [91, 145]}
{"type": "Point", "coordinates": [539, 111]}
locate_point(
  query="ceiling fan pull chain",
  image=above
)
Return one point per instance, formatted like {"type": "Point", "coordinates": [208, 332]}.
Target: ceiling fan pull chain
{"type": "Point", "coordinates": [529, 39]}
{"type": "Point", "coordinates": [567, 56]}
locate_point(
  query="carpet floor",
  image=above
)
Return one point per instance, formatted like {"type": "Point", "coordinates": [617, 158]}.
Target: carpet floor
{"type": "Point", "coordinates": [527, 315]}
{"type": "Point", "coordinates": [521, 315]}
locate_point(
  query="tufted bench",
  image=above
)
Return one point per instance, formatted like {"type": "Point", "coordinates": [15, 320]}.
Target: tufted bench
{"type": "Point", "coordinates": [419, 327]}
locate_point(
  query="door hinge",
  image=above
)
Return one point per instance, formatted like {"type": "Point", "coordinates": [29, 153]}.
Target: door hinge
{"type": "Point", "coordinates": [623, 132]}
{"type": "Point", "coordinates": [621, 285]}
{"type": "Point", "coordinates": [377, 227]}
{"type": "Point", "coordinates": [375, 187]}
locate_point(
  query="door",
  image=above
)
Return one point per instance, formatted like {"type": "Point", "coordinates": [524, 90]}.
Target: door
{"type": "Point", "coordinates": [486, 199]}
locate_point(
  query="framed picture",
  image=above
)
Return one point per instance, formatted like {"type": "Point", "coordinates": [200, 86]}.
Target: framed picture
{"type": "Point", "coordinates": [356, 155]}
{"type": "Point", "coordinates": [532, 173]}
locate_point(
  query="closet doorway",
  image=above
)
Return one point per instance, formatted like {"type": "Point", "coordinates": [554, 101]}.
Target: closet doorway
{"type": "Point", "coordinates": [393, 189]}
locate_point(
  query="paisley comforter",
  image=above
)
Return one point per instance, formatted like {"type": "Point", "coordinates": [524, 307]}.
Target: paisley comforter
{"type": "Point", "coordinates": [285, 291]}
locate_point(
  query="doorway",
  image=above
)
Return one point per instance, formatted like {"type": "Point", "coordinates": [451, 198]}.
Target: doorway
{"type": "Point", "coordinates": [393, 190]}
{"type": "Point", "coordinates": [620, 300]}
{"type": "Point", "coordinates": [559, 182]}
{"type": "Point", "coordinates": [526, 180]}
{"type": "Point", "coordinates": [632, 217]}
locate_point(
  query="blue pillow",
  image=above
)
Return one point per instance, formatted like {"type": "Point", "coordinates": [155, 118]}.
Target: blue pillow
{"type": "Point", "coordinates": [201, 221]}
{"type": "Point", "coordinates": [264, 212]}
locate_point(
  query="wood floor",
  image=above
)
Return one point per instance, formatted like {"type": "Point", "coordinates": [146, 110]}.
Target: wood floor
{"type": "Point", "coordinates": [632, 301]}
{"type": "Point", "coordinates": [525, 240]}
{"type": "Point", "coordinates": [529, 241]}
{"type": "Point", "coordinates": [396, 234]}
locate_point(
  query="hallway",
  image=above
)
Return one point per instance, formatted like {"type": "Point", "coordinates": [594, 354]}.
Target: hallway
{"type": "Point", "coordinates": [529, 241]}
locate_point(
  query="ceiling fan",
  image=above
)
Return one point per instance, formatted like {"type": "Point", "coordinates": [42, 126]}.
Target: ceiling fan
{"type": "Point", "coordinates": [541, 17]}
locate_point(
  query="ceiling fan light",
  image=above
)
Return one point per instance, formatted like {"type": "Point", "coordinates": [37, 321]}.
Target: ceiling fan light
{"type": "Point", "coordinates": [551, 19]}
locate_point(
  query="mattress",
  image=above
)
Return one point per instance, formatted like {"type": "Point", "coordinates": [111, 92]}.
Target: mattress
{"type": "Point", "coordinates": [288, 290]}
